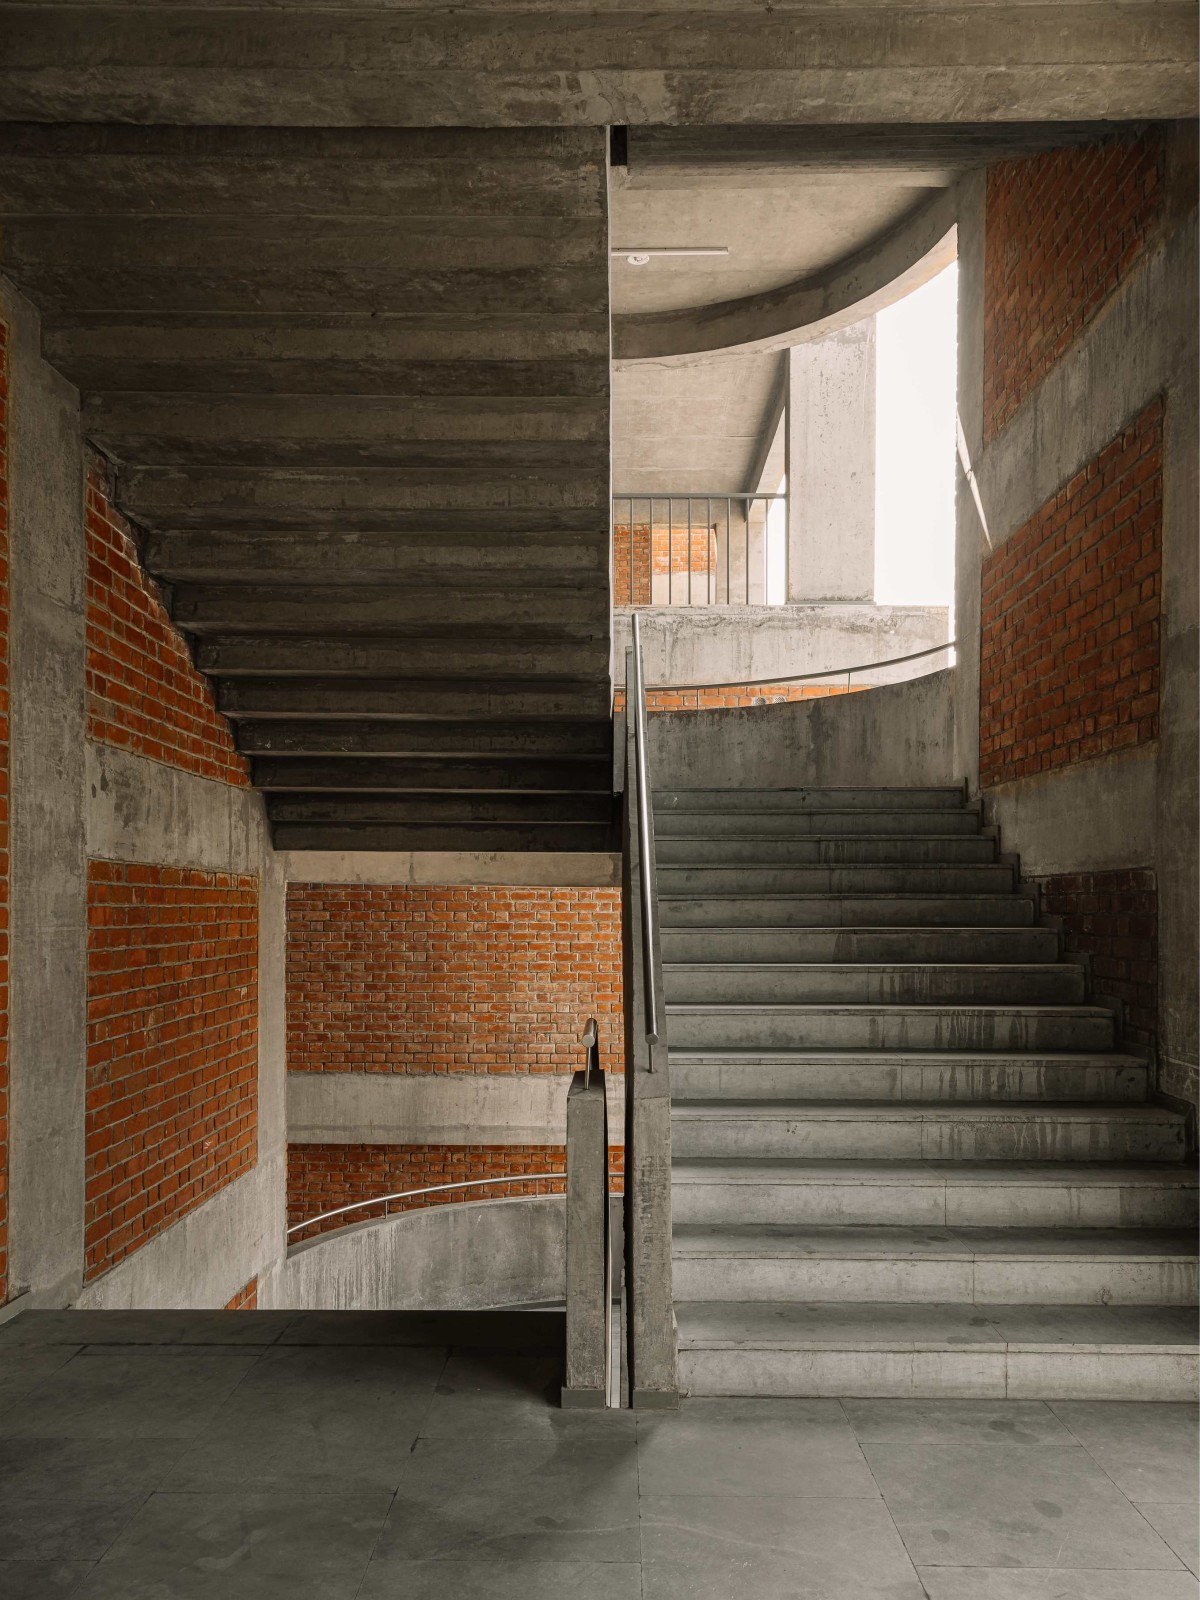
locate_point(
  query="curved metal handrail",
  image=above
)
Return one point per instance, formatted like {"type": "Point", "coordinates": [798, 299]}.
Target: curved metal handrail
{"type": "Point", "coordinates": [809, 677]}
{"type": "Point", "coordinates": [435, 1188]}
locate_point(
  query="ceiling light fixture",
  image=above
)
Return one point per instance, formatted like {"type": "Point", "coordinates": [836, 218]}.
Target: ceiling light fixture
{"type": "Point", "coordinates": [641, 255]}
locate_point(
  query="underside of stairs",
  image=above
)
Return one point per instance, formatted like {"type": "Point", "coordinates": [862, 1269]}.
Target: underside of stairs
{"type": "Point", "coordinates": [910, 1157]}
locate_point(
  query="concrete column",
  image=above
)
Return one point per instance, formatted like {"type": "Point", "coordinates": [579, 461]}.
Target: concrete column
{"type": "Point", "coordinates": [48, 915]}
{"type": "Point", "coordinates": [831, 466]}
{"type": "Point", "coordinates": [588, 1263]}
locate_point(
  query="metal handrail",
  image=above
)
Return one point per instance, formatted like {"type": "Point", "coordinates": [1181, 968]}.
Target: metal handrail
{"type": "Point", "coordinates": [645, 849]}
{"type": "Point", "coordinates": [439, 1188]}
{"type": "Point", "coordinates": [807, 677]}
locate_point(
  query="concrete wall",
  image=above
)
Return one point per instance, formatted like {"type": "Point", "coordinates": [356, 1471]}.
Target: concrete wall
{"type": "Point", "coordinates": [71, 800]}
{"type": "Point", "coordinates": [1139, 808]}
{"type": "Point", "coordinates": [893, 735]}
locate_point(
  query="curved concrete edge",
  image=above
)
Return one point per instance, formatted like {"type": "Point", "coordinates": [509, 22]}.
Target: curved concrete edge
{"type": "Point", "coordinates": [891, 266]}
{"type": "Point", "coordinates": [468, 1256]}
{"type": "Point", "coordinates": [896, 735]}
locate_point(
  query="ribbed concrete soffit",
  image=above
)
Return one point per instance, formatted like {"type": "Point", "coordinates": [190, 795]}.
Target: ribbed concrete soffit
{"type": "Point", "coordinates": [354, 387]}
{"type": "Point", "coordinates": [586, 63]}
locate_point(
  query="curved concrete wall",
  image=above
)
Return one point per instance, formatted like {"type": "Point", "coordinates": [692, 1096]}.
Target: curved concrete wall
{"type": "Point", "coordinates": [901, 733]}
{"type": "Point", "coordinates": [462, 1257]}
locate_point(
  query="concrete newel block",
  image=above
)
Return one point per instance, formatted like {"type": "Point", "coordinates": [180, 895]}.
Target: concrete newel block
{"type": "Point", "coordinates": [588, 1256]}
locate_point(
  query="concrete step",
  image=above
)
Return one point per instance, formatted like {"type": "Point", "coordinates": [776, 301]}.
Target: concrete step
{"type": "Point", "coordinates": [911, 849]}
{"type": "Point", "coordinates": [862, 983]}
{"type": "Point", "coordinates": [959, 945]}
{"type": "Point", "coordinates": [1052, 1352]}
{"type": "Point", "coordinates": [686, 822]}
{"type": "Point", "coordinates": [923, 1194]}
{"type": "Point", "coordinates": [905, 1075]}
{"type": "Point", "coordinates": [856, 911]}
{"type": "Point", "coordinates": [803, 799]}
{"type": "Point", "coordinates": [888, 1027]}
{"type": "Point", "coordinates": [995, 877]}
{"type": "Point", "coordinates": [889, 1131]}
{"type": "Point", "coordinates": [978, 1266]}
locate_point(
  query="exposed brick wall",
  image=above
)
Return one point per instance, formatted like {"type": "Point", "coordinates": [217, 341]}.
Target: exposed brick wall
{"type": "Point", "coordinates": [1062, 231]}
{"type": "Point", "coordinates": [322, 1177]}
{"type": "Point", "coordinates": [1113, 918]}
{"type": "Point", "coordinates": [246, 1299]}
{"type": "Point", "coordinates": [1069, 664]}
{"type": "Point", "coordinates": [727, 697]}
{"type": "Point", "coordinates": [400, 978]}
{"type": "Point", "coordinates": [3, 812]}
{"type": "Point", "coordinates": [637, 552]}
{"type": "Point", "coordinates": [172, 1069]}
{"type": "Point", "coordinates": [143, 693]}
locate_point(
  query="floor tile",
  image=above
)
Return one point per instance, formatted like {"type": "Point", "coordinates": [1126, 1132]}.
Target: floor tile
{"type": "Point", "coordinates": [24, 1366]}
{"type": "Point", "coordinates": [241, 1547]}
{"type": "Point", "coordinates": [58, 1527]}
{"type": "Point", "coordinates": [128, 1395]}
{"type": "Point", "coordinates": [517, 1331]}
{"type": "Point", "coordinates": [1054, 1583]}
{"type": "Point", "coordinates": [1178, 1525]}
{"type": "Point", "coordinates": [146, 1327]}
{"type": "Point", "coordinates": [979, 1505]}
{"type": "Point", "coordinates": [753, 1447]}
{"type": "Point", "coordinates": [698, 1547]}
{"type": "Point", "coordinates": [502, 1580]}
{"type": "Point", "coordinates": [1017, 1422]}
{"type": "Point", "coordinates": [566, 1494]}
{"type": "Point", "coordinates": [85, 1469]}
{"type": "Point", "coordinates": [41, 1580]}
{"type": "Point", "coordinates": [1148, 1449]}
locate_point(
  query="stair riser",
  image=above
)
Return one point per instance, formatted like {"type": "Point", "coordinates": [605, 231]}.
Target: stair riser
{"type": "Point", "coordinates": [1047, 985]}
{"type": "Point", "coordinates": [875, 1081]}
{"type": "Point", "coordinates": [934, 1206]}
{"type": "Point", "coordinates": [1023, 1139]}
{"type": "Point", "coordinates": [1036, 1281]}
{"type": "Point", "coordinates": [996, 878]}
{"type": "Point", "coordinates": [825, 911]}
{"type": "Point", "coordinates": [748, 1029]}
{"type": "Point", "coordinates": [975, 945]}
{"type": "Point", "coordinates": [832, 852]}
{"type": "Point", "coordinates": [849, 824]}
{"type": "Point", "coordinates": [942, 1374]}
{"type": "Point", "coordinates": [866, 799]}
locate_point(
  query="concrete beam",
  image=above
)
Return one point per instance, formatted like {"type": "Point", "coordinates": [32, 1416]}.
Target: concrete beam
{"type": "Point", "coordinates": [422, 656]}
{"type": "Point", "coordinates": [384, 838]}
{"type": "Point", "coordinates": [412, 698]}
{"type": "Point", "coordinates": [445, 808]}
{"type": "Point", "coordinates": [601, 870]}
{"type": "Point", "coordinates": [553, 614]}
{"type": "Point", "coordinates": [462, 775]}
{"type": "Point", "coordinates": [802, 62]}
{"type": "Point", "coordinates": [579, 737]}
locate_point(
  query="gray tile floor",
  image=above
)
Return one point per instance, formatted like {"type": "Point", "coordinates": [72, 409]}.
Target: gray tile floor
{"type": "Point", "coordinates": [268, 1456]}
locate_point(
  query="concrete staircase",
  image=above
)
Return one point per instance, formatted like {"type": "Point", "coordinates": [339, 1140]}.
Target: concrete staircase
{"type": "Point", "coordinates": [909, 1158]}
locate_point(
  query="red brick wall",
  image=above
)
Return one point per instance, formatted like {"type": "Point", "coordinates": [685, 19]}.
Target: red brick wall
{"type": "Point", "coordinates": [1062, 231]}
{"type": "Point", "coordinates": [1069, 664]}
{"type": "Point", "coordinates": [438, 979]}
{"type": "Point", "coordinates": [3, 812]}
{"type": "Point", "coordinates": [246, 1299]}
{"type": "Point", "coordinates": [635, 552]}
{"type": "Point", "coordinates": [322, 1177]}
{"type": "Point", "coordinates": [1113, 918]}
{"type": "Point", "coordinates": [727, 697]}
{"type": "Point", "coordinates": [143, 693]}
{"type": "Point", "coordinates": [172, 1070]}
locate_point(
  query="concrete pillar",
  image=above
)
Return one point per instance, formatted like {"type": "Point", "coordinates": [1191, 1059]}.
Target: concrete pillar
{"type": "Point", "coordinates": [831, 466]}
{"type": "Point", "coordinates": [588, 1261]}
{"type": "Point", "coordinates": [48, 909]}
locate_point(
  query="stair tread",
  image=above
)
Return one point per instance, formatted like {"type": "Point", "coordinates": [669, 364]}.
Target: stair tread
{"type": "Point", "coordinates": [948, 1058]}
{"type": "Point", "coordinates": [900, 1326]}
{"type": "Point", "coordinates": [786, 1170]}
{"type": "Point", "coordinates": [924, 1110]}
{"type": "Point", "coordinates": [887, 1242]}
{"type": "Point", "coordinates": [884, 1007]}
{"type": "Point", "coordinates": [1038, 967]}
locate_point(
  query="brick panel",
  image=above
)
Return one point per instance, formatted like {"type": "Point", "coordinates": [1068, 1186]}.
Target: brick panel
{"type": "Point", "coordinates": [172, 1068]}
{"type": "Point", "coordinates": [730, 696]}
{"type": "Point", "coordinates": [1062, 231]}
{"type": "Point", "coordinates": [1069, 666]}
{"type": "Point", "coordinates": [3, 812]}
{"type": "Point", "coordinates": [322, 1177]}
{"type": "Point", "coordinates": [1113, 918]}
{"type": "Point", "coordinates": [639, 551]}
{"type": "Point", "coordinates": [246, 1299]}
{"type": "Point", "coordinates": [399, 978]}
{"type": "Point", "coordinates": [143, 693]}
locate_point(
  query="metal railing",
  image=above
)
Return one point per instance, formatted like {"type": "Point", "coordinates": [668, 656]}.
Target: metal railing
{"type": "Point", "coordinates": [650, 1334]}
{"type": "Point", "coordinates": [699, 549]}
{"type": "Point", "coordinates": [832, 676]}
{"type": "Point", "coordinates": [429, 1188]}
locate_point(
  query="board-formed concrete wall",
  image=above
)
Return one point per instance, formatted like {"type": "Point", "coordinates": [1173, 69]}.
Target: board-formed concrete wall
{"type": "Point", "coordinates": [893, 735]}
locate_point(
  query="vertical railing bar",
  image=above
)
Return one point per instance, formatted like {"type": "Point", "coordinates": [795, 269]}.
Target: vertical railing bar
{"type": "Point", "coordinates": [689, 551]}
{"type": "Point", "coordinates": [644, 860]}
{"type": "Point", "coordinates": [728, 541]}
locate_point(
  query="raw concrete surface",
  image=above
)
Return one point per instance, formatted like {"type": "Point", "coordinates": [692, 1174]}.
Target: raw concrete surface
{"type": "Point", "coordinates": [247, 1455]}
{"type": "Point", "coordinates": [892, 736]}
